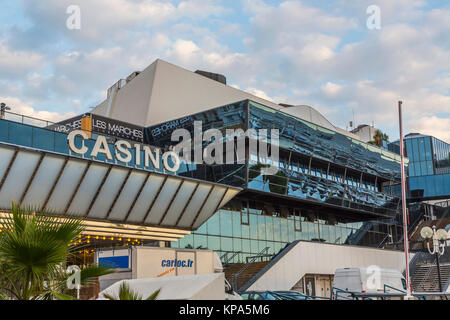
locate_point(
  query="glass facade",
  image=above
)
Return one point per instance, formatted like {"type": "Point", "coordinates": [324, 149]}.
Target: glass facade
{"type": "Point", "coordinates": [244, 228]}
{"type": "Point", "coordinates": [429, 167]}
{"type": "Point", "coordinates": [420, 154]}
{"type": "Point", "coordinates": [441, 154]}
{"type": "Point", "coordinates": [328, 188]}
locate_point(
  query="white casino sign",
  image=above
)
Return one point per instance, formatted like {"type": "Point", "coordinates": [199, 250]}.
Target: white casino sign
{"type": "Point", "coordinates": [123, 153]}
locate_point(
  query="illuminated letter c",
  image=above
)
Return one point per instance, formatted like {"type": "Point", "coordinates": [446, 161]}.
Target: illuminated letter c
{"type": "Point", "coordinates": [71, 139]}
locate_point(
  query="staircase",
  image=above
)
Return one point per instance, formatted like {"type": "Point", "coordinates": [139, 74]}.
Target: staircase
{"type": "Point", "coordinates": [249, 271]}
{"type": "Point", "coordinates": [425, 279]}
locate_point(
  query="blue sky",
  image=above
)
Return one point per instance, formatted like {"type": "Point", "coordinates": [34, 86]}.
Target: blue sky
{"type": "Point", "coordinates": [315, 52]}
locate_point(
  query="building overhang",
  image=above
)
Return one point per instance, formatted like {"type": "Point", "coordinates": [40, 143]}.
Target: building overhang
{"type": "Point", "coordinates": [318, 207]}
{"type": "Point", "coordinates": [110, 198]}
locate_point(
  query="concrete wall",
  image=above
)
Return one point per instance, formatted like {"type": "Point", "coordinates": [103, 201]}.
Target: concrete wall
{"type": "Point", "coordinates": [319, 258]}
{"type": "Point", "coordinates": [164, 92]}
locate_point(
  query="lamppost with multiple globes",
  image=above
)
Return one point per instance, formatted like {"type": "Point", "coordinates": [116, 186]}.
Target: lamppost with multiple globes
{"type": "Point", "coordinates": [438, 238]}
{"type": "Point", "coordinates": [3, 109]}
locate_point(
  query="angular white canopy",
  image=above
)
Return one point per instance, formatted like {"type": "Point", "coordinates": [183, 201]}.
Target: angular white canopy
{"type": "Point", "coordinates": [103, 192]}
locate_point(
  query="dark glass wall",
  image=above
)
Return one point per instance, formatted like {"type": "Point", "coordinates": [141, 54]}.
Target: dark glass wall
{"type": "Point", "coordinates": [441, 153]}
{"type": "Point", "coordinates": [246, 227]}
{"type": "Point", "coordinates": [322, 165]}
{"type": "Point", "coordinates": [420, 155]}
{"type": "Point", "coordinates": [233, 116]}
{"type": "Point", "coordinates": [429, 167]}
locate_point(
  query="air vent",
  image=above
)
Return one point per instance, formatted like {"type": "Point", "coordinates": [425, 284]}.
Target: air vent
{"type": "Point", "coordinates": [213, 76]}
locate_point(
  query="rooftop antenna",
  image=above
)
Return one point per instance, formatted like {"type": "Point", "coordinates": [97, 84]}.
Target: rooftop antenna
{"type": "Point", "coordinates": [354, 122]}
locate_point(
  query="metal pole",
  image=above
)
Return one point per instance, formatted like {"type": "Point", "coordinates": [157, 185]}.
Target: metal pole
{"type": "Point", "coordinates": [405, 218]}
{"type": "Point", "coordinates": [438, 271]}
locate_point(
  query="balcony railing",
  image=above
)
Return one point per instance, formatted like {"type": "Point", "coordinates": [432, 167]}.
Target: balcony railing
{"type": "Point", "coordinates": [16, 117]}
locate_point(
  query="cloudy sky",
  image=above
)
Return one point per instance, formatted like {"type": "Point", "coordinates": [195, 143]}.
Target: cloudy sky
{"type": "Point", "coordinates": [315, 52]}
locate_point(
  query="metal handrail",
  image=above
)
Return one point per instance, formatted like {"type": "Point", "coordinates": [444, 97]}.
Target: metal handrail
{"type": "Point", "coordinates": [384, 239]}
{"type": "Point", "coordinates": [23, 117]}
{"type": "Point", "coordinates": [247, 265]}
{"type": "Point", "coordinates": [335, 291]}
{"type": "Point", "coordinates": [227, 259]}
{"type": "Point", "coordinates": [427, 276]}
{"type": "Point", "coordinates": [390, 287]}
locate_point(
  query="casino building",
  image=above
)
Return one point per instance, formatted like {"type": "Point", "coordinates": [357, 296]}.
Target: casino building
{"type": "Point", "coordinates": [331, 190]}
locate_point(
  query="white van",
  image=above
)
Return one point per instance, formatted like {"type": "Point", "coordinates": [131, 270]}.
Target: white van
{"type": "Point", "coordinates": [367, 280]}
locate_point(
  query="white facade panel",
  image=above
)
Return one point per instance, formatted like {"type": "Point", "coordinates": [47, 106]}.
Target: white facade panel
{"type": "Point", "coordinates": [66, 185]}
{"type": "Point", "coordinates": [179, 203]}
{"type": "Point", "coordinates": [162, 202]}
{"type": "Point", "coordinates": [320, 258]}
{"type": "Point", "coordinates": [43, 181]}
{"type": "Point", "coordinates": [87, 190]}
{"type": "Point", "coordinates": [194, 205]}
{"type": "Point", "coordinates": [127, 196]}
{"type": "Point", "coordinates": [18, 177]}
{"type": "Point", "coordinates": [108, 193]}
{"type": "Point", "coordinates": [146, 198]}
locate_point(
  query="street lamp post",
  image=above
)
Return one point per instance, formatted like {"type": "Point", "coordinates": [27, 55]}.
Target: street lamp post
{"type": "Point", "coordinates": [438, 237]}
{"type": "Point", "coordinates": [3, 109]}
{"type": "Point", "coordinates": [404, 207]}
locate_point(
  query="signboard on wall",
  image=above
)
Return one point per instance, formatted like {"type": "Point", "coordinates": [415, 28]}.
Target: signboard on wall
{"type": "Point", "coordinates": [97, 124]}
{"type": "Point", "coordinates": [117, 128]}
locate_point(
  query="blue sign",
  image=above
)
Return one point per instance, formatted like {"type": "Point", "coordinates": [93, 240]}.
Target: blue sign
{"type": "Point", "coordinates": [118, 262]}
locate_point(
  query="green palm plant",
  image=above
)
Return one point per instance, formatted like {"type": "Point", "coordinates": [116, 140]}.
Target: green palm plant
{"type": "Point", "coordinates": [126, 293]}
{"type": "Point", "coordinates": [33, 251]}
{"type": "Point", "coordinates": [378, 138]}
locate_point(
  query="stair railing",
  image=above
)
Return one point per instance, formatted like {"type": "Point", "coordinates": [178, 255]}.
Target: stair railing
{"type": "Point", "coordinates": [384, 239]}
{"type": "Point", "coordinates": [226, 259]}
{"type": "Point", "coordinates": [426, 277]}
{"type": "Point", "coordinates": [263, 252]}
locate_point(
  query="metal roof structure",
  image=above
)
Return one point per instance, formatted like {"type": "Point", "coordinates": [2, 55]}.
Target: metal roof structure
{"type": "Point", "coordinates": [110, 198]}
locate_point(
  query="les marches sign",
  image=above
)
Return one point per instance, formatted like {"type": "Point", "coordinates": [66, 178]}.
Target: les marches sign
{"type": "Point", "coordinates": [98, 124]}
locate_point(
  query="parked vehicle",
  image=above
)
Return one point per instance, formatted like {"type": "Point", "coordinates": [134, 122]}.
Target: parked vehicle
{"type": "Point", "coordinates": [367, 280]}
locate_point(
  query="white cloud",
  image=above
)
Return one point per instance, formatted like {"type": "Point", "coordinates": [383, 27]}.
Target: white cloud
{"type": "Point", "coordinates": [292, 51]}
{"type": "Point", "coordinates": [24, 108]}
{"type": "Point", "coordinates": [259, 93]}
{"type": "Point", "coordinates": [18, 62]}
{"type": "Point", "coordinates": [331, 89]}
{"type": "Point", "coordinates": [437, 127]}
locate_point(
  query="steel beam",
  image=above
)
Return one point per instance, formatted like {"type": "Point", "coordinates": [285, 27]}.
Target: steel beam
{"type": "Point", "coordinates": [55, 183]}
{"type": "Point", "coordinates": [203, 204]}
{"type": "Point", "coordinates": [154, 199]}
{"type": "Point", "coordinates": [187, 204]}
{"type": "Point", "coordinates": [171, 201]}
{"type": "Point", "coordinates": [221, 199]}
{"type": "Point", "coordinates": [8, 169]}
{"type": "Point", "coordinates": [118, 193]}
{"type": "Point", "coordinates": [77, 187]}
{"type": "Point", "coordinates": [137, 196]}
{"type": "Point", "coordinates": [36, 168]}
{"type": "Point", "coordinates": [98, 191]}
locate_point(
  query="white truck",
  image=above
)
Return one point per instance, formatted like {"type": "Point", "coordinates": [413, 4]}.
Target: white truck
{"type": "Point", "coordinates": [142, 262]}
{"type": "Point", "coordinates": [367, 280]}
